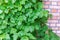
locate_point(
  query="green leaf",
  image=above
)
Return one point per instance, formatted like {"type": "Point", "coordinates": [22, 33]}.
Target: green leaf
{"type": "Point", "coordinates": [2, 16]}
{"type": "Point", "coordinates": [34, 1]}
{"type": "Point", "coordinates": [40, 5]}
{"type": "Point", "coordinates": [45, 13]}
{"type": "Point", "coordinates": [28, 5]}
{"type": "Point", "coordinates": [1, 1]}
{"type": "Point", "coordinates": [46, 37]}
{"type": "Point", "coordinates": [20, 7]}
{"type": "Point", "coordinates": [37, 26]}
{"type": "Point", "coordinates": [7, 37]}
{"type": "Point", "coordinates": [6, 1]}
{"type": "Point", "coordinates": [21, 33]}
{"type": "Point", "coordinates": [22, 1]}
{"type": "Point", "coordinates": [1, 31]}
{"type": "Point", "coordinates": [1, 11]}
{"type": "Point", "coordinates": [41, 15]}
{"type": "Point", "coordinates": [2, 36]}
{"type": "Point", "coordinates": [13, 1]}
{"type": "Point", "coordinates": [15, 36]}
{"type": "Point", "coordinates": [6, 11]}
{"type": "Point", "coordinates": [24, 38]}
{"type": "Point", "coordinates": [30, 36]}
{"type": "Point", "coordinates": [13, 31]}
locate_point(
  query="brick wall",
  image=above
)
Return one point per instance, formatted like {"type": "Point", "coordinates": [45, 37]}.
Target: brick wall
{"type": "Point", "coordinates": [53, 6]}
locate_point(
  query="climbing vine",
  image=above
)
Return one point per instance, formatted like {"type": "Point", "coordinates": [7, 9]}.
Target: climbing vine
{"type": "Point", "coordinates": [23, 20]}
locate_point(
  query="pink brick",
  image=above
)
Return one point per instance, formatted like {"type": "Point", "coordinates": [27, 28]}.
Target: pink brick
{"type": "Point", "coordinates": [52, 24]}
{"type": "Point", "coordinates": [58, 24]}
{"type": "Point", "coordinates": [46, 6]}
{"type": "Point", "coordinates": [54, 10]}
{"type": "Point", "coordinates": [59, 3]}
{"type": "Point", "coordinates": [55, 18]}
{"type": "Point", "coordinates": [59, 28]}
{"type": "Point", "coordinates": [58, 31]}
{"type": "Point", "coordinates": [54, 3]}
{"type": "Point", "coordinates": [55, 28]}
{"type": "Point", "coordinates": [53, 6]}
{"type": "Point", "coordinates": [54, 0]}
{"type": "Point", "coordinates": [47, 2]}
{"type": "Point", "coordinates": [58, 34]}
{"type": "Point", "coordinates": [56, 14]}
{"type": "Point", "coordinates": [59, 10]}
{"type": "Point", "coordinates": [52, 21]}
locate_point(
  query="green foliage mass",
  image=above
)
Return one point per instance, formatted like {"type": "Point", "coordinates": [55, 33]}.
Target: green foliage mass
{"type": "Point", "coordinates": [24, 20]}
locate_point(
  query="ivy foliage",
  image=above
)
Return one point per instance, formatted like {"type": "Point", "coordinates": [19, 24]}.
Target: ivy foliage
{"type": "Point", "coordinates": [24, 20]}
